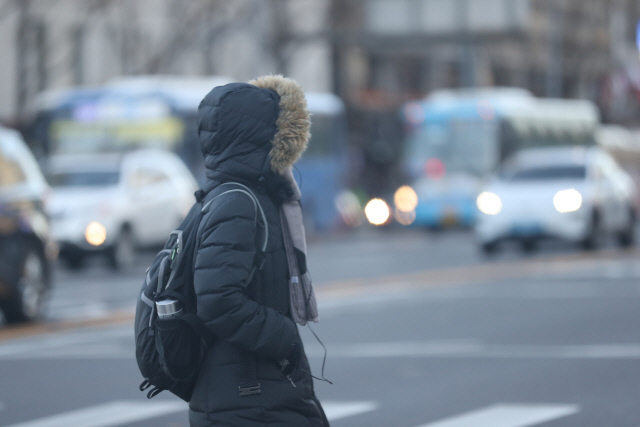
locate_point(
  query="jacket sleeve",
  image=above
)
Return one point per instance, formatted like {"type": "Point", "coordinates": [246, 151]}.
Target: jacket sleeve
{"type": "Point", "coordinates": [224, 260]}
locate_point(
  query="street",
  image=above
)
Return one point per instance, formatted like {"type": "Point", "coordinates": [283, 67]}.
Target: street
{"type": "Point", "coordinates": [420, 331]}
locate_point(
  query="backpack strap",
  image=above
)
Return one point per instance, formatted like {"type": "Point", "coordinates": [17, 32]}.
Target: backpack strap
{"type": "Point", "coordinates": [259, 259]}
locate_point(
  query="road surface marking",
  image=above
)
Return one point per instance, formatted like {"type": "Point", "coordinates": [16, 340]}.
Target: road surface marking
{"type": "Point", "coordinates": [337, 410]}
{"type": "Point", "coordinates": [63, 341]}
{"type": "Point", "coordinates": [332, 291]}
{"type": "Point", "coordinates": [551, 266]}
{"type": "Point", "coordinates": [475, 349]}
{"type": "Point", "coordinates": [116, 344]}
{"type": "Point", "coordinates": [108, 414]}
{"type": "Point", "coordinates": [121, 412]}
{"type": "Point", "coordinates": [507, 415]}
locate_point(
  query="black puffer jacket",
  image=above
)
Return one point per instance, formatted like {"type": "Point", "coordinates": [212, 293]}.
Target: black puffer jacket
{"type": "Point", "coordinates": [249, 134]}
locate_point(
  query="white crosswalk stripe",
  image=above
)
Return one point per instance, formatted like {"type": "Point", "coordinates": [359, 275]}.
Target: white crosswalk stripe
{"type": "Point", "coordinates": [124, 412]}
{"type": "Point", "coordinates": [337, 410]}
{"type": "Point", "coordinates": [107, 415]}
{"type": "Point", "coordinates": [507, 415]}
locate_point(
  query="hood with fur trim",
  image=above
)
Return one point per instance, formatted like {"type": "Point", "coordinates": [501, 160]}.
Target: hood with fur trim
{"type": "Point", "coordinates": [253, 131]}
{"type": "Point", "coordinates": [293, 123]}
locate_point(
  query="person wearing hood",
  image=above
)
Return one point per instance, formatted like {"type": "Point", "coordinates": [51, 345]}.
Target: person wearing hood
{"type": "Point", "coordinates": [256, 373]}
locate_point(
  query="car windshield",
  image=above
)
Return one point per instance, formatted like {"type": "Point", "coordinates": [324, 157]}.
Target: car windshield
{"type": "Point", "coordinates": [547, 173]}
{"type": "Point", "coordinates": [84, 179]}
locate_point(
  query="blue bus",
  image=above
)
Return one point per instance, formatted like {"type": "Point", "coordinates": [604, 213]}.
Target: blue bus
{"type": "Point", "coordinates": [321, 172]}
{"type": "Point", "coordinates": [456, 138]}
{"type": "Point", "coordinates": [160, 111]}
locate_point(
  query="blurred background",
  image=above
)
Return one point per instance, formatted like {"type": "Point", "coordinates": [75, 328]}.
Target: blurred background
{"type": "Point", "coordinates": [480, 158]}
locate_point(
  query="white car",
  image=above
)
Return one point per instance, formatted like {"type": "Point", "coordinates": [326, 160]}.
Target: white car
{"type": "Point", "coordinates": [111, 204]}
{"type": "Point", "coordinates": [578, 194]}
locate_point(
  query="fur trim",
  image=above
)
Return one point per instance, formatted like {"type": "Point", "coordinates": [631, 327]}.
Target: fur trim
{"type": "Point", "coordinates": [292, 136]}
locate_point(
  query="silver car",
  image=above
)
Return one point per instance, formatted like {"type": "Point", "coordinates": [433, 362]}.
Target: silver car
{"type": "Point", "coordinates": [577, 194]}
{"type": "Point", "coordinates": [111, 204]}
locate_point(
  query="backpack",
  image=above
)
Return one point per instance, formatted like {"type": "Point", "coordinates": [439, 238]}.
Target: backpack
{"type": "Point", "coordinates": [170, 347]}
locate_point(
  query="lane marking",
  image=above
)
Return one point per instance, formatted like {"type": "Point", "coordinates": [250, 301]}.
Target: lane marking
{"type": "Point", "coordinates": [337, 410]}
{"type": "Point", "coordinates": [47, 328]}
{"type": "Point", "coordinates": [108, 414]}
{"type": "Point", "coordinates": [507, 415]}
{"type": "Point", "coordinates": [329, 292]}
{"type": "Point", "coordinates": [115, 344]}
{"type": "Point", "coordinates": [475, 349]}
{"type": "Point", "coordinates": [550, 266]}
{"type": "Point", "coordinates": [121, 412]}
{"type": "Point", "coordinates": [62, 341]}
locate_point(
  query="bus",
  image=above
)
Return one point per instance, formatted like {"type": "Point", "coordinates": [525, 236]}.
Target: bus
{"type": "Point", "coordinates": [456, 138]}
{"type": "Point", "coordinates": [161, 111]}
{"type": "Point", "coordinates": [321, 172]}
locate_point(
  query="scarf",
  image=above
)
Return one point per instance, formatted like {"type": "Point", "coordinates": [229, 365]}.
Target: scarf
{"type": "Point", "coordinates": [304, 307]}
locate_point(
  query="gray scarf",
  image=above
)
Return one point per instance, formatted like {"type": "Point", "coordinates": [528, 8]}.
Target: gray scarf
{"type": "Point", "coordinates": [304, 307]}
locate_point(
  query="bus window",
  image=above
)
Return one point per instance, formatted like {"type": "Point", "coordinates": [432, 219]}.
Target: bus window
{"type": "Point", "coordinates": [70, 137]}
{"type": "Point", "coordinates": [326, 136]}
{"type": "Point", "coordinates": [424, 143]}
{"type": "Point", "coordinates": [474, 146]}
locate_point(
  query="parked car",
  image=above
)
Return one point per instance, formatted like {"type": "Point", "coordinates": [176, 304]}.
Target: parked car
{"type": "Point", "coordinates": [578, 194]}
{"type": "Point", "coordinates": [112, 204]}
{"type": "Point", "coordinates": [26, 247]}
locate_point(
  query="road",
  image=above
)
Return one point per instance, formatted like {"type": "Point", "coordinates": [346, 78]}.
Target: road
{"type": "Point", "coordinates": [421, 331]}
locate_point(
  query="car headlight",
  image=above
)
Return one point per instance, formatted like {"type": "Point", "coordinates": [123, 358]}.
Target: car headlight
{"type": "Point", "coordinates": [377, 211]}
{"type": "Point", "coordinates": [95, 233]}
{"type": "Point", "coordinates": [405, 199]}
{"type": "Point", "coordinates": [567, 200]}
{"type": "Point", "coordinates": [489, 203]}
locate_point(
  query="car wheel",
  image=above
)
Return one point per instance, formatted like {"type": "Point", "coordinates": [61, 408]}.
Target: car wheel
{"type": "Point", "coordinates": [529, 245]}
{"type": "Point", "coordinates": [122, 254]}
{"type": "Point", "coordinates": [591, 240]}
{"type": "Point", "coordinates": [489, 248]}
{"type": "Point", "coordinates": [74, 262]}
{"type": "Point", "coordinates": [27, 303]}
{"type": "Point", "coordinates": [626, 237]}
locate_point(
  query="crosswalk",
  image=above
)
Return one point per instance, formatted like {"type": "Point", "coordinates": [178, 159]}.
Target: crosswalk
{"type": "Point", "coordinates": [120, 413]}
{"type": "Point", "coordinates": [507, 415]}
{"type": "Point", "coordinates": [115, 342]}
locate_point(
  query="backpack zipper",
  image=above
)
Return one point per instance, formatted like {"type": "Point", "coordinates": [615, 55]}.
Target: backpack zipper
{"type": "Point", "coordinates": [291, 381]}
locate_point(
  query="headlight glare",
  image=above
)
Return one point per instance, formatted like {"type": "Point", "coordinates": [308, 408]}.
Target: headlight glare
{"type": "Point", "coordinates": [377, 211]}
{"type": "Point", "coordinates": [567, 200]}
{"type": "Point", "coordinates": [405, 199]}
{"type": "Point", "coordinates": [489, 203]}
{"type": "Point", "coordinates": [95, 233]}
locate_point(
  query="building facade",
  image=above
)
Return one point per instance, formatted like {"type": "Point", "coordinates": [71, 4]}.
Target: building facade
{"type": "Point", "coordinates": [387, 52]}
{"type": "Point", "coordinates": [52, 44]}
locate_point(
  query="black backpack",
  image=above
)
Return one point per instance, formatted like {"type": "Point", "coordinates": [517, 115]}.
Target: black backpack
{"type": "Point", "coordinates": [170, 348]}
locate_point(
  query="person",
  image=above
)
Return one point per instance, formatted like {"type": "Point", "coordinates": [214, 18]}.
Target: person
{"type": "Point", "coordinates": [256, 373]}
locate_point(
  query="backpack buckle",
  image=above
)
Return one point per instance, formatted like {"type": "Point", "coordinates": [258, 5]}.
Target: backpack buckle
{"type": "Point", "coordinates": [246, 391]}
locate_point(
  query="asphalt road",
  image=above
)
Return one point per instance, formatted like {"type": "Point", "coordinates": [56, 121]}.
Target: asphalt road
{"type": "Point", "coordinates": [421, 331]}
